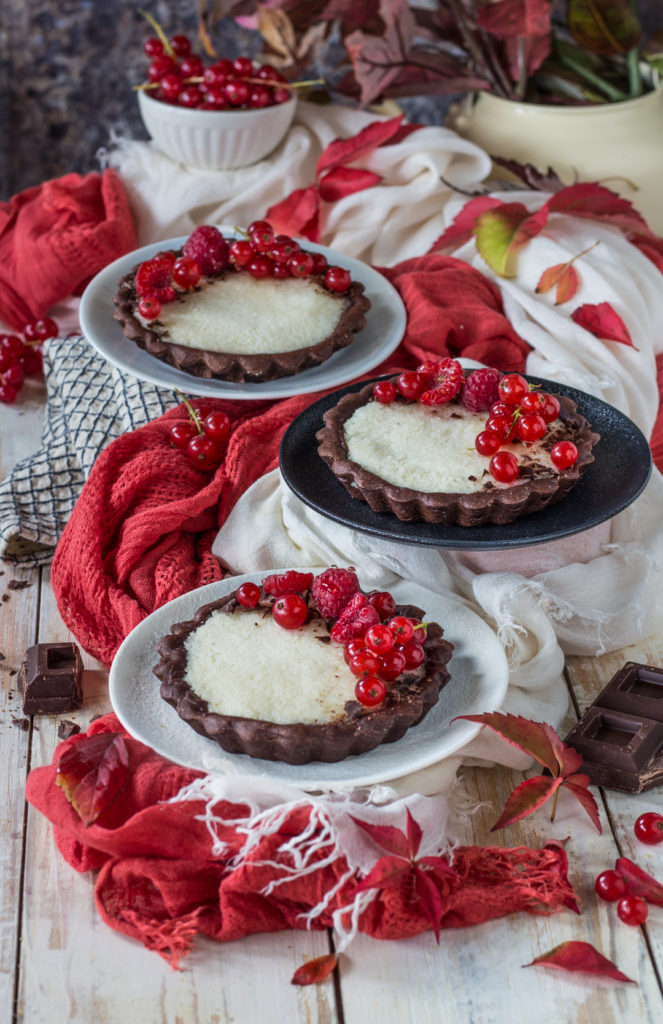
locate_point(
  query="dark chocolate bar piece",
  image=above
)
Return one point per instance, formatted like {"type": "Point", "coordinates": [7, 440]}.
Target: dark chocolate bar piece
{"type": "Point", "coordinates": [50, 679]}
{"type": "Point", "coordinates": [620, 736]}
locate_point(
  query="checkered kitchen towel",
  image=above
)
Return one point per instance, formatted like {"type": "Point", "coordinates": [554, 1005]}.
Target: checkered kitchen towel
{"type": "Point", "coordinates": [89, 404]}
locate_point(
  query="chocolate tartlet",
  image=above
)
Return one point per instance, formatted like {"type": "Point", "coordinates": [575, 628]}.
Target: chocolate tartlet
{"type": "Point", "coordinates": [420, 464]}
{"type": "Point", "coordinates": [237, 328]}
{"type": "Point", "coordinates": [319, 718]}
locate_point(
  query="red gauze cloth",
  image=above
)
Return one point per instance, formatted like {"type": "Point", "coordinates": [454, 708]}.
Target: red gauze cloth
{"type": "Point", "coordinates": [148, 890]}
{"type": "Point", "coordinates": [141, 531]}
{"type": "Point", "coordinates": [55, 237]}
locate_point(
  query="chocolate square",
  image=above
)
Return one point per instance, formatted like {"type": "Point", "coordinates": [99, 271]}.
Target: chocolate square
{"type": "Point", "coordinates": [50, 679]}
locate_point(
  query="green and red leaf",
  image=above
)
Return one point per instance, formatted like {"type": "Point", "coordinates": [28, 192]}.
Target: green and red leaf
{"type": "Point", "coordinates": [461, 228]}
{"type": "Point", "coordinates": [315, 971]}
{"type": "Point", "coordinates": [500, 232]}
{"type": "Point", "coordinates": [92, 772]}
{"type": "Point", "coordinates": [638, 882]}
{"type": "Point", "coordinates": [603, 27]}
{"type": "Point", "coordinates": [579, 957]}
{"type": "Point", "coordinates": [604, 322]}
{"type": "Point", "coordinates": [345, 181]}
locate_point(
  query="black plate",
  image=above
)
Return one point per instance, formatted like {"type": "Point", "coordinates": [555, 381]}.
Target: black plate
{"type": "Point", "coordinates": [621, 468]}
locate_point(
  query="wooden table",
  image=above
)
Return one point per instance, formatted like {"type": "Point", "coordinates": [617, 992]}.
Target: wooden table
{"type": "Point", "coordinates": [61, 965]}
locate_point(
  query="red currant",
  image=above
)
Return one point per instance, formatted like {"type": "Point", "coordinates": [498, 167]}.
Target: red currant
{"type": "Point", "coordinates": [530, 427]}
{"type": "Point", "coordinates": [203, 451]}
{"type": "Point", "coordinates": [41, 330]}
{"type": "Point", "coordinates": [364, 663]}
{"type": "Point", "coordinates": [181, 45]}
{"type": "Point", "coordinates": [8, 394]}
{"type": "Point", "coordinates": [280, 271]}
{"type": "Point", "coordinates": [260, 96]}
{"type": "Point", "coordinates": [171, 86]}
{"type": "Point", "coordinates": [261, 234]}
{"type": "Point", "coordinates": [181, 433]}
{"type": "Point", "coordinates": [31, 361]}
{"type": "Point", "coordinates": [383, 603]}
{"type": "Point", "coordinates": [384, 391]}
{"type": "Point", "coordinates": [283, 247]}
{"type": "Point", "coordinates": [240, 252]}
{"type": "Point", "coordinates": [248, 595]}
{"type": "Point", "coordinates": [353, 647]}
{"type": "Point", "coordinates": [649, 828]}
{"type": "Point", "coordinates": [290, 611]}
{"type": "Point", "coordinates": [260, 266]}
{"type": "Point", "coordinates": [370, 691]}
{"type": "Point", "coordinates": [413, 653]}
{"type": "Point", "coordinates": [563, 454]}
{"type": "Point", "coordinates": [152, 47]}
{"type": "Point", "coordinates": [268, 73]}
{"type": "Point", "coordinates": [418, 631]}
{"type": "Point", "coordinates": [300, 264]}
{"type": "Point", "coordinates": [161, 65]}
{"type": "Point", "coordinates": [504, 467]}
{"type": "Point", "coordinates": [402, 628]}
{"type": "Point", "coordinates": [11, 345]}
{"type": "Point", "coordinates": [610, 886]}
{"type": "Point", "coordinates": [13, 377]}
{"type": "Point", "coordinates": [319, 263]}
{"type": "Point", "coordinates": [243, 66]}
{"type": "Point", "coordinates": [186, 272]}
{"type": "Point", "coordinates": [379, 638]}
{"type": "Point", "coordinates": [500, 425]}
{"type": "Point", "coordinates": [632, 910]}
{"type": "Point", "coordinates": [531, 402]}
{"type": "Point", "coordinates": [237, 92]}
{"type": "Point", "coordinates": [191, 66]}
{"type": "Point", "coordinates": [217, 426]}
{"type": "Point", "coordinates": [337, 279]}
{"type": "Point", "coordinates": [501, 409]}
{"type": "Point", "coordinates": [191, 96]}
{"type": "Point", "coordinates": [549, 407]}
{"type": "Point", "coordinates": [391, 664]}
{"type": "Point", "coordinates": [411, 385]}
{"type": "Point", "coordinates": [149, 309]}
{"type": "Point", "coordinates": [512, 388]}
{"type": "Point", "coordinates": [215, 99]}
{"type": "Point", "coordinates": [282, 96]}
{"type": "Point", "coordinates": [487, 442]}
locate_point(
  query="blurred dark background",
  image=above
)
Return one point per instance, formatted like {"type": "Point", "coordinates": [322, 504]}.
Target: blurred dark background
{"type": "Point", "coordinates": [67, 68]}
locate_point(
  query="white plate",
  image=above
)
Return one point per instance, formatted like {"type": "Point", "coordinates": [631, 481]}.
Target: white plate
{"type": "Point", "coordinates": [385, 326]}
{"type": "Point", "coordinates": [479, 677]}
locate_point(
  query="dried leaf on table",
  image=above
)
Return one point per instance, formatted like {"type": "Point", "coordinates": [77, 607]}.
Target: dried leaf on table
{"type": "Point", "coordinates": [601, 320]}
{"type": "Point", "coordinates": [639, 883]}
{"type": "Point", "coordinates": [314, 971]}
{"type": "Point", "coordinates": [579, 957]}
{"type": "Point", "coordinates": [92, 772]}
{"type": "Point", "coordinates": [540, 741]}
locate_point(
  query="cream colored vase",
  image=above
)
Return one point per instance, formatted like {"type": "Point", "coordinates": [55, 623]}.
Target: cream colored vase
{"type": "Point", "coordinates": [618, 144]}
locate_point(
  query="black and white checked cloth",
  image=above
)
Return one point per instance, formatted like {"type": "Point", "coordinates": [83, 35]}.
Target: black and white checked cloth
{"type": "Point", "coordinates": [89, 404]}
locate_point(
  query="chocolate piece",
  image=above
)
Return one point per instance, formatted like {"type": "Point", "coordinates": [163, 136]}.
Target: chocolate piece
{"type": "Point", "coordinates": [621, 735]}
{"type": "Point", "coordinates": [537, 486]}
{"type": "Point", "coordinates": [50, 679]}
{"type": "Point", "coordinates": [67, 728]}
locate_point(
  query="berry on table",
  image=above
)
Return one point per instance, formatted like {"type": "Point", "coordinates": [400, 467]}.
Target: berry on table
{"type": "Point", "coordinates": [40, 330]}
{"type": "Point", "coordinates": [217, 426]}
{"type": "Point", "coordinates": [632, 910]}
{"type": "Point", "coordinates": [202, 451]}
{"type": "Point", "coordinates": [649, 828]}
{"type": "Point", "coordinates": [248, 594]}
{"type": "Point", "coordinates": [181, 432]}
{"type": "Point", "coordinates": [610, 886]}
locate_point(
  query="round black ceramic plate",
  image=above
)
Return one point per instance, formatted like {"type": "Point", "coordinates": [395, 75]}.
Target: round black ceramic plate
{"type": "Point", "coordinates": [621, 468]}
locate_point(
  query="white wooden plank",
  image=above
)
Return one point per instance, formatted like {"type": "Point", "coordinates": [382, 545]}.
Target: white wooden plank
{"type": "Point", "coordinates": [75, 970]}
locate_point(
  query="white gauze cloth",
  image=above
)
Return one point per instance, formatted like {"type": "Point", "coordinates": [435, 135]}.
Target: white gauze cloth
{"type": "Point", "coordinates": [588, 594]}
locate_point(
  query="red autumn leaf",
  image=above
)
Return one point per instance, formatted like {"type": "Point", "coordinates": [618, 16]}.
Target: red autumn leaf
{"type": "Point", "coordinates": [345, 181]}
{"type": "Point", "coordinates": [588, 199]}
{"type": "Point", "coordinates": [402, 133]}
{"type": "Point", "coordinates": [391, 838]}
{"type": "Point", "coordinates": [515, 18]}
{"type": "Point", "coordinates": [315, 971]}
{"type": "Point", "coordinates": [638, 882]}
{"type": "Point", "coordinates": [540, 741]}
{"type": "Point", "coordinates": [601, 320]}
{"type": "Point", "coordinates": [526, 54]}
{"type": "Point", "coordinates": [538, 181]}
{"type": "Point", "coordinates": [527, 797]}
{"type": "Point", "coordinates": [297, 214]}
{"type": "Point", "coordinates": [564, 276]}
{"type": "Point", "coordinates": [430, 900]}
{"type": "Point", "coordinates": [387, 873]}
{"type": "Point", "coordinates": [582, 957]}
{"type": "Point", "coordinates": [377, 60]}
{"type": "Point", "coordinates": [461, 228]}
{"type": "Point", "coordinates": [92, 772]}
{"type": "Point", "coordinates": [341, 152]}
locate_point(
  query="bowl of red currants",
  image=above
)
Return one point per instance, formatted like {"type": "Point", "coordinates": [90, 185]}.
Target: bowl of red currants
{"type": "Point", "coordinates": [215, 116]}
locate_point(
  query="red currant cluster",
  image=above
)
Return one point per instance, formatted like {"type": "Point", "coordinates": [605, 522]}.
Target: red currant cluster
{"type": "Point", "coordinates": [206, 252]}
{"type": "Point", "coordinates": [21, 357]}
{"type": "Point", "coordinates": [432, 383]}
{"type": "Point", "coordinates": [178, 76]}
{"type": "Point", "coordinates": [379, 644]}
{"type": "Point", "coordinates": [613, 886]}
{"type": "Point", "coordinates": [203, 437]}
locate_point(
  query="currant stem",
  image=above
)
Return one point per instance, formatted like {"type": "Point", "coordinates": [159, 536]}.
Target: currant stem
{"type": "Point", "coordinates": [195, 418]}
{"type": "Point", "coordinates": [167, 48]}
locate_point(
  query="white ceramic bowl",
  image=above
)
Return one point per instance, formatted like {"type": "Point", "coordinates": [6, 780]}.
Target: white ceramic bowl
{"type": "Point", "coordinates": [214, 140]}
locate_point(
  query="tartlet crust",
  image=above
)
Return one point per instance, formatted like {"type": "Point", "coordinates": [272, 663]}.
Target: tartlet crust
{"type": "Point", "coordinates": [407, 701]}
{"type": "Point", "coordinates": [231, 366]}
{"type": "Point", "coordinates": [536, 488]}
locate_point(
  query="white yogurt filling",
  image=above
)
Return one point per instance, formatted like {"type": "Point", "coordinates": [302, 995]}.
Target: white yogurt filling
{"type": "Point", "coordinates": [426, 448]}
{"type": "Point", "coordinates": [241, 315]}
{"type": "Point", "coordinates": [245, 664]}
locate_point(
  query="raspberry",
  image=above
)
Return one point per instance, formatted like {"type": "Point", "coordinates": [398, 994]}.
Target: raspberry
{"type": "Point", "coordinates": [479, 389]}
{"type": "Point", "coordinates": [290, 582]}
{"type": "Point", "coordinates": [332, 590]}
{"type": "Point", "coordinates": [154, 280]}
{"type": "Point", "coordinates": [354, 620]}
{"type": "Point", "coordinates": [444, 381]}
{"type": "Point", "coordinates": [207, 246]}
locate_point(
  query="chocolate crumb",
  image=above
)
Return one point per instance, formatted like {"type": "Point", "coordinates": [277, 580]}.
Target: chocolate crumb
{"type": "Point", "coordinates": [68, 728]}
{"type": "Point", "coordinates": [18, 584]}
{"type": "Point", "coordinates": [5, 597]}
{"type": "Point", "coordinates": [3, 657]}
{"type": "Point", "coordinates": [22, 723]}
{"type": "Point", "coordinates": [13, 671]}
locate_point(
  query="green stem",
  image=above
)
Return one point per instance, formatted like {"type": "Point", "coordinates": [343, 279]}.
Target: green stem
{"type": "Point", "coordinates": [554, 804]}
{"type": "Point", "coordinates": [608, 90]}
{"type": "Point", "coordinates": [634, 75]}
{"type": "Point", "coordinates": [193, 415]}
